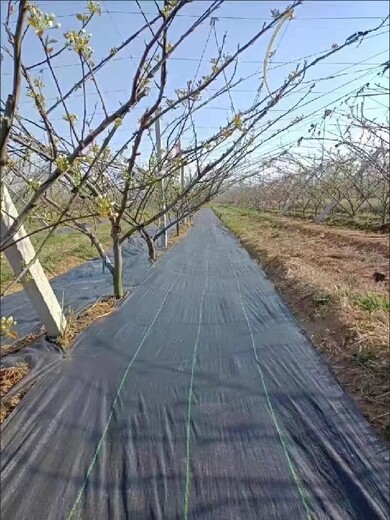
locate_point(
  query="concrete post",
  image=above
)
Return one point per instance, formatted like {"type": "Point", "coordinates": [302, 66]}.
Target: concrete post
{"type": "Point", "coordinates": [35, 282]}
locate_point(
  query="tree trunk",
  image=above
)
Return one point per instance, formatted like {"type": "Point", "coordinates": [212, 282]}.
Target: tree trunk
{"type": "Point", "coordinates": [177, 225]}
{"type": "Point", "coordinates": [118, 262]}
{"type": "Point", "coordinates": [150, 244]}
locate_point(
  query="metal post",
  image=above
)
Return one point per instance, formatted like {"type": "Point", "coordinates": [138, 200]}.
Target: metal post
{"type": "Point", "coordinates": [35, 283]}
{"type": "Point", "coordinates": [163, 221]}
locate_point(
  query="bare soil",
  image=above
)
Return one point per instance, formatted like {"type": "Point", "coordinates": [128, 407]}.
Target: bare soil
{"type": "Point", "coordinates": [368, 241]}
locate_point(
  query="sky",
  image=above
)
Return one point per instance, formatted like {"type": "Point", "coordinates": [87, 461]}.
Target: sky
{"type": "Point", "coordinates": [317, 25]}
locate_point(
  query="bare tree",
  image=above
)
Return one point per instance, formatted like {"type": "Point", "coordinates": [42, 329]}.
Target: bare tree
{"type": "Point", "coordinates": [348, 177]}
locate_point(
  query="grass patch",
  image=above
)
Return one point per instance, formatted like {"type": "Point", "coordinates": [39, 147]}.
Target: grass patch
{"type": "Point", "coordinates": [372, 302]}
{"type": "Point", "coordinates": [62, 251]}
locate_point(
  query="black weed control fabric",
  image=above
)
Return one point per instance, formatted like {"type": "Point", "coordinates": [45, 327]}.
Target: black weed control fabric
{"type": "Point", "coordinates": [199, 398]}
{"type": "Point", "coordinates": [79, 287]}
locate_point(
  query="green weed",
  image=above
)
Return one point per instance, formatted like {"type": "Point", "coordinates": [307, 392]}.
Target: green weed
{"type": "Point", "coordinates": [85, 251]}
{"type": "Point", "coordinates": [372, 302]}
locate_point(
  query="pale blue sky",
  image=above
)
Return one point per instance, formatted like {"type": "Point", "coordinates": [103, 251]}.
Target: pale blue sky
{"type": "Point", "coordinates": [317, 25]}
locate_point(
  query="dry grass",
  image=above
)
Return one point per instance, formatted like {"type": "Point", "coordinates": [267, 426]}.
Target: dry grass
{"type": "Point", "coordinates": [7, 348]}
{"type": "Point", "coordinates": [9, 376]}
{"type": "Point", "coordinates": [326, 278]}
